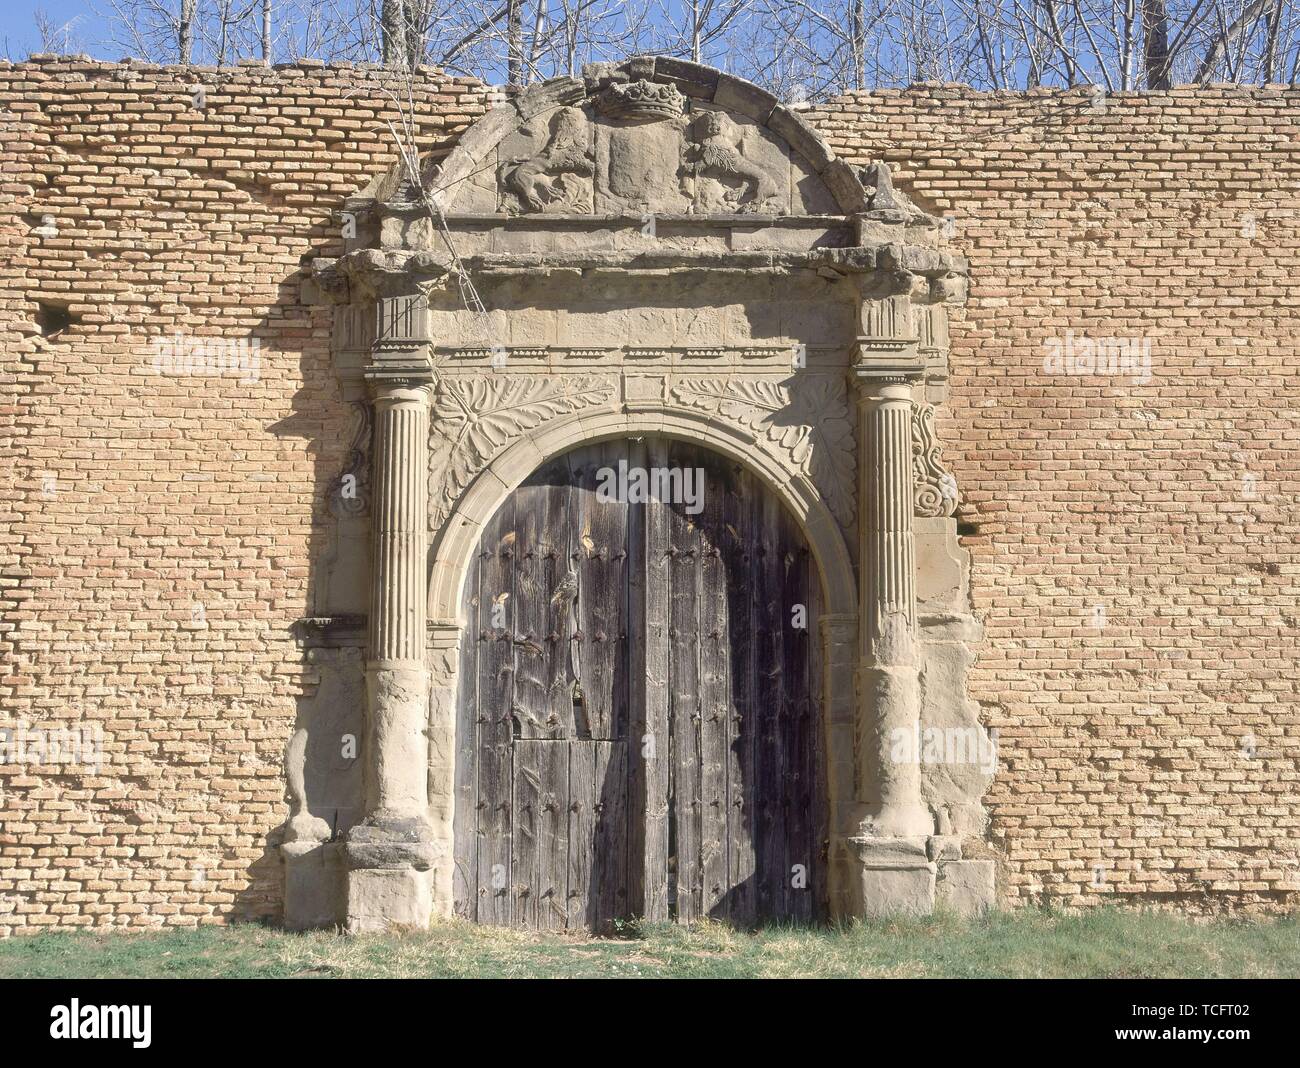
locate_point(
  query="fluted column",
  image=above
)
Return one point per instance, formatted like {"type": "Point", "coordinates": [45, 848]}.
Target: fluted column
{"type": "Point", "coordinates": [396, 672]}
{"type": "Point", "coordinates": [889, 666]}
{"type": "Point", "coordinates": [393, 852]}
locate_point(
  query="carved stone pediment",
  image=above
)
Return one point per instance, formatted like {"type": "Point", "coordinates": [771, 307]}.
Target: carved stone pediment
{"type": "Point", "coordinates": [649, 135]}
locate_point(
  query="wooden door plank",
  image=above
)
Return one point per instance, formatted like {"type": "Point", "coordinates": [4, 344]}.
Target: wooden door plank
{"type": "Point", "coordinates": [684, 674]}
{"type": "Point", "coordinates": [609, 881]}
{"type": "Point", "coordinates": [541, 831]}
{"type": "Point", "coordinates": [602, 594]}
{"type": "Point", "coordinates": [655, 747]}
{"type": "Point", "coordinates": [582, 828]}
{"type": "Point", "coordinates": [562, 601]}
{"type": "Point", "coordinates": [526, 780]}
{"type": "Point", "coordinates": [715, 685]}
{"type": "Point", "coordinates": [496, 701]}
{"type": "Point", "coordinates": [742, 742]}
{"type": "Point", "coordinates": [540, 511]}
{"type": "Point", "coordinates": [636, 756]}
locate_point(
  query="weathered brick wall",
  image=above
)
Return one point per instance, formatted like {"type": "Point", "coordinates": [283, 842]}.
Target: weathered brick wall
{"type": "Point", "coordinates": [1155, 757]}
{"type": "Point", "coordinates": [156, 531]}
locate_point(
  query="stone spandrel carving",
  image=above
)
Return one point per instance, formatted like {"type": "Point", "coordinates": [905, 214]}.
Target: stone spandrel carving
{"type": "Point", "coordinates": [806, 421]}
{"type": "Point", "coordinates": [935, 488]}
{"type": "Point", "coordinates": [475, 417]}
{"type": "Point", "coordinates": [728, 179]}
{"type": "Point", "coordinates": [558, 177]}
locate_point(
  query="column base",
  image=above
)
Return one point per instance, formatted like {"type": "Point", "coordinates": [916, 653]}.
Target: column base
{"type": "Point", "coordinates": [895, 875]}
{"type": "Point", "coordinates": [315, 885]}
{"type": "Point", "coordinates": [916, 876]}
{"type": "Point", "coordinates": [389, 899]}
{"type": "Point", "coordinates": [392, 861]}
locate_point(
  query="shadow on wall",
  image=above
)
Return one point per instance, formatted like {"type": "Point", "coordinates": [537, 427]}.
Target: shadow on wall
{"type": "Point", "coordinates": [322, 746]}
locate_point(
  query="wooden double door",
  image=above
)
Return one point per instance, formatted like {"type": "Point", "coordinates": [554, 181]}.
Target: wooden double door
{"type": "Point", "coordinates": [639, 731]}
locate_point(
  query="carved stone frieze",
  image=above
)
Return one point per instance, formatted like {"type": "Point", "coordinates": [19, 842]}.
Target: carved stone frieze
{"type": "Point", "coordinates": [804, 420]}
{"type": "Point", "coordinates": [475, 417]}
{"type": "Point", "coordinates": [933, 486]}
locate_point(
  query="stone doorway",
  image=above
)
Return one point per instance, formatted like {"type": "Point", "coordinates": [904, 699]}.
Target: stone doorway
{"type": "Point", "coordinates": [654, 248]}
{"type": "Point", "coordinates": [638, 726]}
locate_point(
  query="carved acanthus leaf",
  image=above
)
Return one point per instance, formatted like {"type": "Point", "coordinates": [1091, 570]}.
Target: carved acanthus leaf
{"type": "Point", "coordinates": [934, 487]}
{"type": "Point", "coordinates": [474, 418]}
{"type": "Point", "coordinates": [806, 418]}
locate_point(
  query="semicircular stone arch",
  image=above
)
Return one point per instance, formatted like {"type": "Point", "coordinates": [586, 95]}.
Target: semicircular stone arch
{"type": "Point", "coordinates": [457, 534]}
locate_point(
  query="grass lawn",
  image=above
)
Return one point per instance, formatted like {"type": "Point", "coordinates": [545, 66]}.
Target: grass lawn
{"type": "Point", "coordinates": [1100, 943]}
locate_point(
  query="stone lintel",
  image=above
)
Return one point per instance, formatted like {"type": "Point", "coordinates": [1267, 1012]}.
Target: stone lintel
{"type": "Point", "coordinates": [378, 272]}
{"type": "Point", "coordinates": [598, 221]}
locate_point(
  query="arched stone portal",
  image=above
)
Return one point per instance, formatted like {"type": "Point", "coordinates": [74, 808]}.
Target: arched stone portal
{"type": "Point", "coordinates": [653, 248]}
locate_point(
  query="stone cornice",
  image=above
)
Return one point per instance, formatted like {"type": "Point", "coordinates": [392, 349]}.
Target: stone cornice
{"type": "Point", "coordinates": [381, 270]}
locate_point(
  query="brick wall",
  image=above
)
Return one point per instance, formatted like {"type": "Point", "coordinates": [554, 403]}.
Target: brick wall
{"type": "Point", "coordinates": [156, 530]}
{"type": "Point", "coordinates": [1155, 757]}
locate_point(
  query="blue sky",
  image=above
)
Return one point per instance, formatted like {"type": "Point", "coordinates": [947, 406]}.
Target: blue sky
{"type": "Point", "coordinates": [18, 34]}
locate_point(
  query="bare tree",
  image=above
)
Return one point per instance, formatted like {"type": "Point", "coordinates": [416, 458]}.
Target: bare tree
{"type": "Point", "coordinates": [185, 29]}
{"type": "Point", "coordinates": [56, 36]}
{"type": "Point", "coordinates": [801, 49]}
{"type": "Point", "coordinates": [394, 27]}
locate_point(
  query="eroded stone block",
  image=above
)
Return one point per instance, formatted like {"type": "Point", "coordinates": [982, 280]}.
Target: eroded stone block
{"type": "Point", "coordinates": [966, 887]}
{"type": "Point", "coordinates": [315, 885]}
{"type": "Point", "coordinates": [389, 899]}
{"type": "Point", "coordinates": [890, 892]}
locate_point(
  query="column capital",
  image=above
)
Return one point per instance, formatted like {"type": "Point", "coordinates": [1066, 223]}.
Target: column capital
{"type": "Point", "coordinates": [390, 386]}
{"type": "Point", "coordinates": [400, 352]}
{"type": "Point", "coordinates": [875, 371]}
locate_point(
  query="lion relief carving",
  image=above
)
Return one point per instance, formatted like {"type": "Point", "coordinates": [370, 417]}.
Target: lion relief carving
{"type": "Point", "coordinates": [739, 183]}
{"type": "Point", "coordinates": [556, 179]}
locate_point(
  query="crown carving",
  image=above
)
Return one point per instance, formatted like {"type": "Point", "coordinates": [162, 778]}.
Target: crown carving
{"type": "Point", "coordinates": [641, 100]}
